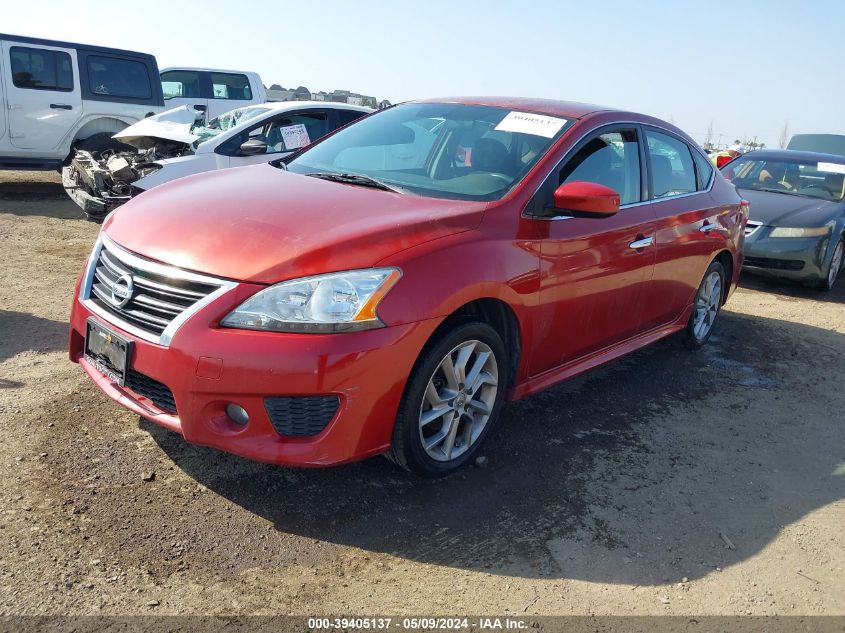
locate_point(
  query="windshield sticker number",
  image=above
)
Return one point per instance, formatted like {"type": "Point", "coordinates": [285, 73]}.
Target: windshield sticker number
{"type": "Point", "coordinates": [528, 123]}
{"type": "Point", "coordinates": [295, 136]}
{"type": "Point", "coordinates": [832, 168]}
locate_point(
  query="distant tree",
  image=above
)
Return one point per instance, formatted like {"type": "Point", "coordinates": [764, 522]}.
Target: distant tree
{"type": "Point", "coordinates": [784, 136]}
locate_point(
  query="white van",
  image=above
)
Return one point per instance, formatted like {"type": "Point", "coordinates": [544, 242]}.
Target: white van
{"type": "Point", "coordinates": [56, 97]}
{"type": "Point", "coordinates": [211, 91]}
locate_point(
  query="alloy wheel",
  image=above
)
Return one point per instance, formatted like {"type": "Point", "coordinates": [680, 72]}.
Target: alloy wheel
{"type": "Point", "coordinates": [835, 264]}
{"type": "Point", "coordinates": [707, 305]}
{"type": "Point", "coordinates": [458, 400]}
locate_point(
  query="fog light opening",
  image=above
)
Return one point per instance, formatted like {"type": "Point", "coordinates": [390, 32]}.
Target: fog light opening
{"type": "Point", "coordinates": [237, 414]}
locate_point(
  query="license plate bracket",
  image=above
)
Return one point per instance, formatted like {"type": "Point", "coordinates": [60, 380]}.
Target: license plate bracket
{"type": "Point", "coordinates": [108, 352]}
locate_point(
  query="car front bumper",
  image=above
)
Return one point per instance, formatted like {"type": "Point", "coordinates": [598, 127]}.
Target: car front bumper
{"type": "Point", "coordinates": [206, 367]}
{"type": "Point", "coordinates": [799, 258]}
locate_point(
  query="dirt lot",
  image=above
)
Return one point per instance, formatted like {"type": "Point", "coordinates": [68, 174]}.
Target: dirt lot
{"type": "Point", "coordinates": [669, 482]}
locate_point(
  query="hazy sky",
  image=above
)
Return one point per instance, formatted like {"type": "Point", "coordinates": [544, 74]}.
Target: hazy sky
{"type": "Point", "coordinates": [748, 67]}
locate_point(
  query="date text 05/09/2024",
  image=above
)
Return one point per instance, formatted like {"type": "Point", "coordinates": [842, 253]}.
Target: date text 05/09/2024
{"type": "Point", "coordinates": [416, 623]}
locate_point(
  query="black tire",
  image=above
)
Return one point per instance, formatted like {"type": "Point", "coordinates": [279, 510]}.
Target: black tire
{"type": "Point", "coordinates": [103, 143]}
{"type": "Point", "coordinates": [829, 281]}
{"type": "Point", "coordinates": [407, 450]}
{"type": "Point", "coordinates": [693, 339]}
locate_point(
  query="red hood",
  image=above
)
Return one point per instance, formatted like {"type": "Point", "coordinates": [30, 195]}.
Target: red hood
{"type": "Point", "coordinates": [266, 225]}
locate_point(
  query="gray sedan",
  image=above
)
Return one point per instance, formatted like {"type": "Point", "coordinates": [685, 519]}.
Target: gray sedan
{"type": "Point", "coordinates": [797, 219]}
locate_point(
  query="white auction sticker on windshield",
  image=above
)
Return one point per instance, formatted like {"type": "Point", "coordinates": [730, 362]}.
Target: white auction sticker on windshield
{"type": "Point", "coordinates": [832, 168]}
{"type": "Point", "coordinates": [295, 136]}
{"type": "Point", "coordinates": [529, 123]}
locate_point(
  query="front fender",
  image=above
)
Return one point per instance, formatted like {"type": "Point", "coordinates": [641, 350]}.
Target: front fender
{"type": "Point", "coordinates": [442, 275]}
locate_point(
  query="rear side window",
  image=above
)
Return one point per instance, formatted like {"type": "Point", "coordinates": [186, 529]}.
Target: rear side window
{"type": "Point", "coordinates": [347, 116]}
{"type": "Point", "coordinates": [672, 170]}
{"type": "Point", "coordinates": [114, 77]}
{"type": "Point", "coordinates": [230, 86]}
{"type": "Point", "coordinates": [611, 159]}
{"type": "Point", "coordinates": [41, 69]}
{"type": "Point", "coordinates": [180, 83]}
{"type": "Point", "coordinates": [705, 170]}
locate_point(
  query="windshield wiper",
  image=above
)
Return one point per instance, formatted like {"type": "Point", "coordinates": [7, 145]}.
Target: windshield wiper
{"type": "Point", "coordinates": [355, 179]}
{"type": "Point", "coordinates": [788, 193]}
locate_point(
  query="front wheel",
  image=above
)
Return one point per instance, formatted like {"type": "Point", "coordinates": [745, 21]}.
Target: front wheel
{"type": "Point", "coordinates": [708, 302]}
{"type": "Point", "coordinates": [451, 401]}
{"type": "Point", "coordinates": [102, 145]}
{"type": "Point", "coordinates": [835, 267]}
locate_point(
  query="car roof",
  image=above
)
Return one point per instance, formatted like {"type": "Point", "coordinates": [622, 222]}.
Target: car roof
{"type": "Point", "coordinates": [211, 70]}
{"type": "Point", "coordinates": [282, 106]}
{"type": "Point", "coordinates": [75, 45]}
{"type": "Point", "coordinates": [794, 154]}
{"type": "Point", "coordinates": [550, 107]}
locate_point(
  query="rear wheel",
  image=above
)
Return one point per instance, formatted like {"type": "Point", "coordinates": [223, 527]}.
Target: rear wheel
{"type": "Point", "coordinates": [451, 401]}
{"type": "Point", "coordinates": [708, 302]}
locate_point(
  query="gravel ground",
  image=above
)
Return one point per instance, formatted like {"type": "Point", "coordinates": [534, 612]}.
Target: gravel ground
{"type": "Point", "coordinates": [668, 482]}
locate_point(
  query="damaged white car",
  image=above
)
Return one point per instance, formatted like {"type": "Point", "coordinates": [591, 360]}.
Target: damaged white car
{"type": "Point", "coordinates": [178, 143]}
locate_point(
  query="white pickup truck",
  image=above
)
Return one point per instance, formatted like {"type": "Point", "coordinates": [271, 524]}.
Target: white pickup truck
{"type": "Point", "coordinates": [60, 97]}
{"type": "Point", "coordinates": [211, 91]}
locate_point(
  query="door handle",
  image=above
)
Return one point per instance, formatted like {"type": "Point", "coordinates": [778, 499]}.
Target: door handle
{"type": "Point", "coordinates": [61, 106]}
{"type": "Point", "coordinates": [708, 226]}
{"type": "Point", "coordinates": [641, 243]}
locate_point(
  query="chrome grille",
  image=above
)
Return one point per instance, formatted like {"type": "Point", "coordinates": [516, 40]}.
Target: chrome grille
{"type": "Point", "coordinates": [751, 226]}
{"type": "Point", "coordinates": [157, 297]}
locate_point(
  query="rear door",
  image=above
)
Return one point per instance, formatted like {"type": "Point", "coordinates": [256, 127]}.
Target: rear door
{"type": "Point", "coordinates": [594, 271]}
{"type": "Point", "coordinates": [185, 87]}
{"type": "Point", "coordinates": [228, 91]}
{"type": "Point", "coordinates": [689, 229]}
{"type": "Point", "coordinates": [3, 104]}
{"type": "Point", "coordinates": [43, 98]}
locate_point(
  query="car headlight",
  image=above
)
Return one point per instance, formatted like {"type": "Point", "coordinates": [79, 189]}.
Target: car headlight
{"type": "Point", "coordinates": [786, 231]}
{"type": "Point", "coordinates": [336, 302]}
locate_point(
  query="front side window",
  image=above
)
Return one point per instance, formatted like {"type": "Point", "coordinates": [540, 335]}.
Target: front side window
{"type": "Point", "coordinates": [283, 133]}
{"type": "Point", "coordinates": [293, 131]}
{"type": "Point", "coordinates": [180, 83]}
{"type": "Point", "coordinates": [445, 150]}
{"type": "Point", "coordinates": [672, 170]}
{"type": "Point", "coordinates": [230, 86]}
{"type": "Point", "coordinates": [611, 159]}
{"type": "Point", "coordinates": [823, 179]}
{"type": "Point", "coordinates": [114, 77]}
{"type": "Point", "coordinates": [41, 69]}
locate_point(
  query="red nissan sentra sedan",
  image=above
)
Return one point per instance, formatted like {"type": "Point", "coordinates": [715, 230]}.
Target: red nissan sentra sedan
{"type": "Point", "coordinates": [386, 290]}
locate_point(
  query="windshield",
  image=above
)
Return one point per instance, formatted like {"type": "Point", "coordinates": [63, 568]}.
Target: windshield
{"type": "Point", "coordinates": [814, 179]}
{"type": "Point", "coordinates": [225, 122]}
{"type": "Point", "coordinates": [445, 150]}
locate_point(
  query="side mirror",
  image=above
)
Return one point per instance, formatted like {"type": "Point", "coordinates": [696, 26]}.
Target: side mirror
{"type": "Point", "coordinates": [252, 147]}
{"type": "Point", "coordinates": [586, 199]}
